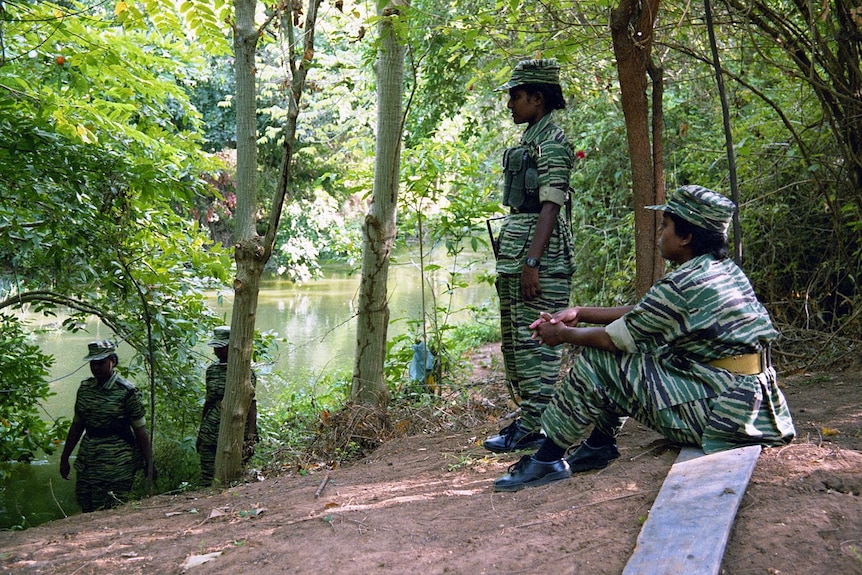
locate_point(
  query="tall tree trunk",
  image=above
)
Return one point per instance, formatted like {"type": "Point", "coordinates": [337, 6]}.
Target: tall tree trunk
{"type": "Point", "coordinates": [369, 385]}
{"type": "Point", "coordinates": [632, 32]}
{"type": "Point", "coordinates": [248, 251]}
{"type": "Point", "coordinates": [251, 251]}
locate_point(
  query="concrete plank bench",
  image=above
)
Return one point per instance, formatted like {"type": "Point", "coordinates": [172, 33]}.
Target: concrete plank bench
{"type": "Point", "coordinates": [689, 524]}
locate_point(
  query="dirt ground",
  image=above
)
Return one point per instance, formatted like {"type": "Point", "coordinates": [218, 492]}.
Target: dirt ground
{"type": "Point", "coordinates": [423, 504]}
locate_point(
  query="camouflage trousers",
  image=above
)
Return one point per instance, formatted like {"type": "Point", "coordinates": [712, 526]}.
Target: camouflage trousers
{"type": "Point", "coordinates": [596, 392]}
{"type": "Point", "coordinates": [105, 471]}
{"type": "Point", "coordinates": [532, 370]}
{"type": "Point", "coordinates": [95, 494]}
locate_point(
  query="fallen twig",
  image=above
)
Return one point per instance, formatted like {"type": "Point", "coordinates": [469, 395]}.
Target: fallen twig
{"type": "Point", "coordinates": [322, 485]}
{"type": "Point", "coordinates": [661, 445]}
{"type": "Point", "coordinates": [88, 561]}
{"type": "Point", "coordinates": [60, 507]}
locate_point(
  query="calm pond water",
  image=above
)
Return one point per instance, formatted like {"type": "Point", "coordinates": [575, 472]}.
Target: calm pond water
{"type": "Point", "coordinates": [316, 318]}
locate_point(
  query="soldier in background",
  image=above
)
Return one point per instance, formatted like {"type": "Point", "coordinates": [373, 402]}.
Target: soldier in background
{"type": "Point", "coordinates": [535, 258]}
{"type": "Point", "coordinates": [216, 378]}
{"type": "Point", "coordinates": [109, 415]}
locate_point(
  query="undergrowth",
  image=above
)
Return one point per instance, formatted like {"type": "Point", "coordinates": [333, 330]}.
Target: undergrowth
{"type": "Point", "coordinates": [318, 427]}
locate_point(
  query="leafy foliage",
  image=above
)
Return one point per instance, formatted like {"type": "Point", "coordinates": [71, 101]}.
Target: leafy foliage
{"type": "Point", "coordinates": [99, 155]}
{"type": "Point", "coordinates": [297, 409]}
{"type": "Point", "coordinates": [212, 96]}
{"type": "Point", "coordinates": [313, 231]}
{"type": "Point", "coordinates": [23, 371]}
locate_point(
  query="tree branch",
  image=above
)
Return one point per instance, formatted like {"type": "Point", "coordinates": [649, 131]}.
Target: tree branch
{"type": "Point", "coordinates": [57, 299]}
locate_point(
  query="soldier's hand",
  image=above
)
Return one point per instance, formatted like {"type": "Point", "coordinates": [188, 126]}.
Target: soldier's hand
{"type": "Point", "coordinates": [543, 317]}
{"type": "Point", "coordinates": [530, 288]}
{"type": "Point", "coordinates": [64, 469]}
{"type": "Point", "coordinates": [549, 333]}
{"type": "Point", "coordinates": [567, 316]}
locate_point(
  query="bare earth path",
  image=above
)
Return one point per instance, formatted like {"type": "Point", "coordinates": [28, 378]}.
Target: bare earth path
{"type": "Point", "coordinates": [423, 505]}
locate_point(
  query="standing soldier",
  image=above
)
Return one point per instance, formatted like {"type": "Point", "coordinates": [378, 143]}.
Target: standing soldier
{"type": "Point", "coordinates": [109, 415]}
{"type": "Point", "coordinates": [535, 260]}
{"type": "Point", "coordinates": [216, 378]}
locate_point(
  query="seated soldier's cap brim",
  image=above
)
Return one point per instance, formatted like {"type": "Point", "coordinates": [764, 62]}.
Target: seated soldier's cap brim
{"type": "Point", "coordinates": [699, 206]}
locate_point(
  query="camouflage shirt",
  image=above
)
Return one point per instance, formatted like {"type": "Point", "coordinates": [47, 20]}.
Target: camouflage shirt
{"type": "Point", "coordinates": [555, 157]}
{"type": "Point", "coordinates": [109, 413]}
{"type": "Point", "coordinates": [704, 310]}
{"type": "Point", "coordinates": [216, 378]}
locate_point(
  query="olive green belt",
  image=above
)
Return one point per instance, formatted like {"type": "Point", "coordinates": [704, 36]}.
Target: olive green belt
{"type": "Point", "coordinates": [747, 364]}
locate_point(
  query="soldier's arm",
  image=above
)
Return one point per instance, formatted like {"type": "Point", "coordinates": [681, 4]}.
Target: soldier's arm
{"type": "Point", "coordinates": [530, 287]}
{"type": "Point", "coordinates": [76, 430]}
{"type": "Point", "coordinates": [143, 440]}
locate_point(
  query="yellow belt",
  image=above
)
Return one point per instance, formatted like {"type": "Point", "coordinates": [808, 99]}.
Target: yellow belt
{"type": "Point", "coordinates": [748, 364]}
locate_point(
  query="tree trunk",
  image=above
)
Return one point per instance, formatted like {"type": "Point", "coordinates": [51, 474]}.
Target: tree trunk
{"type": "Point", "coordinates": [369, 385]}
{"type": "Point", "coordinates": [248, 251]}
{"type": "Point", "coordinates": [246, 37]}
{"type": "Point", "coordinates": [238, 393]}
{"type": "Point", "coordinates": [251, 251]}
{"type": "Point", "coordinates": [632, 32]}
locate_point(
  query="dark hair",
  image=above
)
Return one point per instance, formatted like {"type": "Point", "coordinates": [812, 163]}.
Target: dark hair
{"type": "Point", "coordinates": [703, 241]}
{"type": "Point", "coordinates": [552, 93]}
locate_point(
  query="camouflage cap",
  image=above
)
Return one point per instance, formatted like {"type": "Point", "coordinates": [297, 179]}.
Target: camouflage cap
{"type": "Point", "coordinates": [101, 349]}
{"type": "Point", "coordinates": [221, 336]}
{"type": "Point", "coordinates": [700, 206]}
{"type": "Point", "coordinates": [544, 71]}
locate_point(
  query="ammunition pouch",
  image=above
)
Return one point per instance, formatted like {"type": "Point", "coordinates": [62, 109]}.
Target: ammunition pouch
{"type": "Point", "coordinates": [521, 183]}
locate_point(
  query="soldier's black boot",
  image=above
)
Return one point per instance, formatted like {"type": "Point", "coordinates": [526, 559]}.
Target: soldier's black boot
{"type": "Point", "coordinates": [512, 438]}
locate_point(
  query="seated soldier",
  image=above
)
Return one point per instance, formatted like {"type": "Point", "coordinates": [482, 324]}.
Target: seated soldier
{"type": "Point", "coordinates": [690, 359]}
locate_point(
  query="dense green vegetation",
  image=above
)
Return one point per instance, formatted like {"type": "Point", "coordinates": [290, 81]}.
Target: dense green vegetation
{"type": "Point", "coordinates": [116, 190]}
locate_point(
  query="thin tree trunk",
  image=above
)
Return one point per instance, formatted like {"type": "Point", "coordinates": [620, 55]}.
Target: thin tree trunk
{"type": "Point", "coordinates": [656, 74]}
{"type": "Point", "coordinates": [248, 251]}
{"type": "Point", "coordinates": [251, 251]}
{"type": "Point", "coordinates": [246, 37]}
{"type": "Point", "coordinates": [728, 133]}
{"type": "Point", "coordinates": [369, 385]}
{"type": "Point", "coordinates": [632, 33]}
{"type": "Point", "coordinates": [238, 389]}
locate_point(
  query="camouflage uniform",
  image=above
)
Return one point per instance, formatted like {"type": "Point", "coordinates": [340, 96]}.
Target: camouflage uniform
{"type": "Point", "coordinates": [704, 310]}
{"type": "Point", "coordinates": [216, 378]}
{"type": "Point", "coordinates": [108, 457]}
{"type": "Point", "coordinates": [533, 370]}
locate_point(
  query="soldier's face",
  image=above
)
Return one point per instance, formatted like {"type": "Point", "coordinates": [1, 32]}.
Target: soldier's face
{"type": "Point", "coordinates": [672, 247]}
{"type": "Point", "coordinates": [102, 369]}
{"type": "Point", "coordinates": [221, 353]}
{"type": "Point", "coordinates": [526, 108]}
